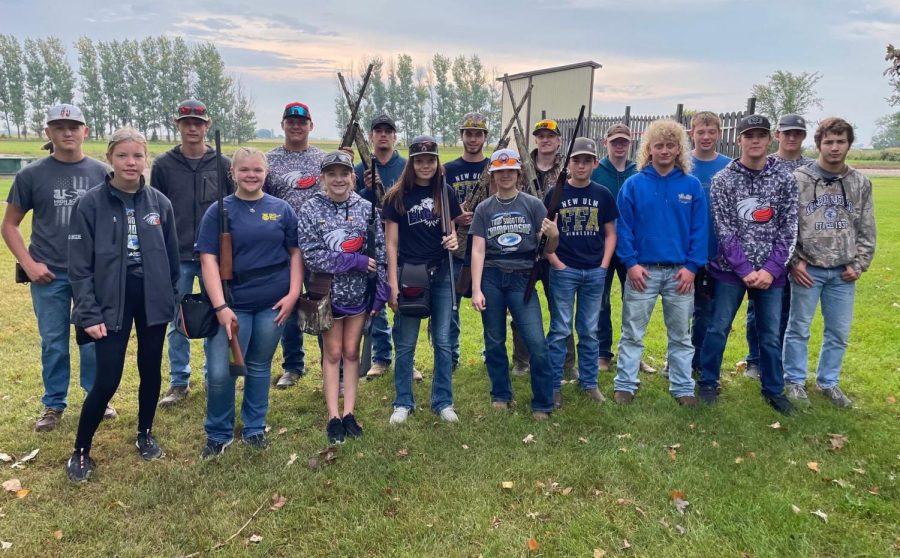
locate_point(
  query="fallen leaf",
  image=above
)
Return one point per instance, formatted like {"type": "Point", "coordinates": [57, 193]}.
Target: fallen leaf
{"type": "Point", "coordinates": [621, 436]}
{"type": "Point", "coordinates": [533, 545]}
{"type": "Point", "coordinates": [255, 539]}
{"type": "Point", "coordinates": [360, 455]}
{"type": "Point", "coordinates": [282, 430]}
{"type": "Point", "coordinates": [623, 450]}
{"type": "Point", "coordinates": [324, 457]}
{"type": "Point", "coordinates": [680, 505]}
{"type": "Point", "coordinates": [671, 451]}
{"type": "Point", "coordinates": [22, 493]}
{"type": "Point", "coordinates": [529, 439]}
{"type": "Point", "coordinates": [859, 471]}
{"type": "Point", "coordinates": [506, 485]}
{"type": "Point", "coordinates": [120, 504]}
{"type": "Point", "coordinates": [821, 515]}
{"type": "Point", "coordinates": [621, 501]}
{"type": "Point", "coordinates": [12, 485]}
{"type": "Point", "coordinates": [465, 447]}
{"type": "Point", "coordinates": [891, 400]}
{"type": "Point", "coordinates": [57, 534]}
{"type": "Point", "coordinates": [795, 509]}
{"type": "Point", "coordinates": [751, 454]}
{"type": "Point", "coordinates": [715, 444]}
{"type": "Point", "coordinates": [402, 452]}
{"type": "Point", "coordinates": [599, 553]}
{"type": "Point", "coordinates": [640, 511]}
{"type": "Point", "coordinates": [842, 483]}
{"type": "Point", "coordinates": [812, 466]}
{"type": "Point", "coordinates": [583, 440]}
{"type": "Point", "coordinates": [679, 529]}
{"type": "Point", "coordinates": [775, 425]}
{"type": "Point", "coordinates": [837, 441]}
{"type": "Point", "coordinates": [278, 502]}
{"type": "Point", "coordinates": [874, 491]}
{"type": "Point", "coordinates": [5, 545]}
{"type": "Point", "coordinates": [19, 464]}
{"type": "Point", "coordinates": [738, 459]}
{"type": "Point", "coordinates": [625, 544]}
{"type": "Point", "coordinates": [292, 459]}
{"type": "Point", "coordinates": [5, 457]}
{"type": "Point", "coordinates": [495, 522]}
{"type": "Point", "coordinates": [567, 490]}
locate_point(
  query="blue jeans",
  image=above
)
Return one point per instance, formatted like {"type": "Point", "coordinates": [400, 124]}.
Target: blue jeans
{"type": "Point", "coordinates": [704, 291]}
{"type": "Point", "coordinates": [292, 346]}
{"type": "Point", "coordinates": [837, 313]}
{"type": "Point", "coordinates": [454, 316]}
{"type": "Point", "coordinates": [604, 327]}
{"type": "Point", "coordinates": [53, 309]}
{"type": "Point", "coordinates": [752, 338]}
{"type": "Point", "coordinates": [728, 299]}
{"type": "Point", "coordinates": [179, 345]}
{"type": "Point", "coordinates": [567, 285]}
{"type": "Point", "coordinates": [504, 291]}
{"type": "Point", "coordinates": [637, 307]}
{"type": "Point", "coordinates": [258, 337]}
{"type": "Point", "coordinates": [406, 334]}
{"type": "Point", "coordinates": [381, 338]}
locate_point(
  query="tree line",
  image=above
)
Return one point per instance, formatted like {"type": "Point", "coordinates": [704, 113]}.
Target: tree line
{"type": "Point", "coordinates": [130, 82]}
{"type": "Point", "coordinates": [423, 99]}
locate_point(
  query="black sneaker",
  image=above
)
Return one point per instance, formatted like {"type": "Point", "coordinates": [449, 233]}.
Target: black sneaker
{"type": "Point", "coordinates": [214, 449]}
{"type": "Point", "coordinates": [257, 441]}
{"type": "Point", "coordinates": [147, 446]}
{"type": "Point", "coordinates": [335, 431]}
{"type": "Point", "coordinates": [709, 395]}
{"type": "Point", "coordinates": [80, 466]}
{"type": "Point", "coordinates": [351, 427]}
{"type": "Point", "coordinates": [781, 404]}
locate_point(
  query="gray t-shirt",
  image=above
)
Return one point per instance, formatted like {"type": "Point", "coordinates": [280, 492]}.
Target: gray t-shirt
{"type": "Point", "coordinates": [50, 188]}
{"type": "Point", "coordinates": [509, 230]}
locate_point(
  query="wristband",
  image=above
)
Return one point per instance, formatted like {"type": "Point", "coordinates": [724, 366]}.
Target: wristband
{"type": "Point", "coordinates": [217, 309]}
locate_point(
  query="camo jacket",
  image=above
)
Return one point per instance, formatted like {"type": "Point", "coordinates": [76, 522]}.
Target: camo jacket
{"type": "Point", "coordinates": [332, 239]}
{"type": "Point", "coordinates": [836, 219]}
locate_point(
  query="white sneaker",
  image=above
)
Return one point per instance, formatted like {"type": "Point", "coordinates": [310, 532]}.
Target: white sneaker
{"type": "Point", "coordinates": [449, 414]}
{"type": "Point", "coordinates": [399, 415]}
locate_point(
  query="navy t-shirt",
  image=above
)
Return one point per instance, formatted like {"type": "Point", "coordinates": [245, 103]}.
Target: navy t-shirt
{"type": "Point", "coordinates": [419, 230]}
{"type": "Point", "coordinates": [583, 212]}
{"type": "Point", "coordinates": [464, 176]}
{"type": "Point", "coordinates": [262, 231]}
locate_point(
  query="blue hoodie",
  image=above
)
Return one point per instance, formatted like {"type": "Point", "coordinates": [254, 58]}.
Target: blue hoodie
{"type": "Point", "coordinates": [607, 175]}
{"type": "Point", "coordinates": [389, 173]}
{"type": "Point", "coordinates": [662, 219]}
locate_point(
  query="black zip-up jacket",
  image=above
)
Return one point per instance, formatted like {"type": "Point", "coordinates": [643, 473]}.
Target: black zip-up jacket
{"type": "Point", "coordinates": [190, 191]}
{"type": "Point", "coordinates": [98, 258]}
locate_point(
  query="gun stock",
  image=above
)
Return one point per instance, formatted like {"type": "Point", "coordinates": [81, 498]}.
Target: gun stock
{"type": "Point", "coordinates": [350, 132]}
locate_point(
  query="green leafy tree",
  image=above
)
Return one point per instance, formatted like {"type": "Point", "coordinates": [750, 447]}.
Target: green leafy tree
{"type": "Point", "coordinates": [174, 64]}
{"type": "Point", "coordinates": [892, 57]}
{"type": "Point", "coordinates": [93, 103]}
{"type": "Point", "coordinates": [406, 97]}
{"type": "Point", "coordinates": [212, 85]}
{"type": "Point", "coordinates": [17, 108]}
{"type": "Point", "coordinates": [495, 107]}
{"type": "Point", "coordinates": [392, 99]}
{"type": "Point", "coordinates": [887, 131]}
{"type": "Point", "coordinates": [60, 83]}
{"type": "Point", "coordinates": [5, 96]}
{"type": "Point", "coordinates": [113, 59]}
{"type": "Point", "coordinates": [242, 115]}
{"type": "Point", "coordinates": [444, 99]}
{"type": "Point", "coordinates": [36, 84]}
{"type": "Point", "coordinates": [787, 93]}
{"type": "Point", "coordinates": [463, 87]}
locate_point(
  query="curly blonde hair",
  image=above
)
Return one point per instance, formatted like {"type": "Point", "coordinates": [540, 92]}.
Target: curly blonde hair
{"type": "Point", "coordinates": [665, 130]}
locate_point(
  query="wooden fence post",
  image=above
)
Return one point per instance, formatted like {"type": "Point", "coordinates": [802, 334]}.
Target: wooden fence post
{"type": "Point", "coordinates": [627, 119]}
{"type": "Point", "coordinates": [751, 105]}
{"type": "Point", "coordinates": [679, 112]}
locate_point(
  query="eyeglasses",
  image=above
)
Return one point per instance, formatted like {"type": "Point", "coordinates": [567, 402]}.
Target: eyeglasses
{"type": "Point", "coordinates": [296, 110]}
{"type": "Point", "coordinates": [504, 160]}
{"type": "Point", "coordinates": [546, 125]}
{"type": "Point", "coordinates": [186, 110]}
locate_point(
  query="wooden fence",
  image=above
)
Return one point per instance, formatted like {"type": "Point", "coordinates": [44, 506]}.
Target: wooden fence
{"type": "Point", "coordinates": [596, 126]}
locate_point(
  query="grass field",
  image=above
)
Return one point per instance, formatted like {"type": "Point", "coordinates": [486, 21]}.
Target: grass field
{"type": "Point", "coordinates": [598, 479]}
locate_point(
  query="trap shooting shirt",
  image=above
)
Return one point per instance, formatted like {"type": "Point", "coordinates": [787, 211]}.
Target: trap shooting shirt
{"type": "Point", "coordinates": [294, 175]}
{"type": "Point", "coordinates": [583, 212]}
{"type": "Point", "coordinates": [262, 232]}
{"type": "Point", "coordinates": [419, 229]}
{"type": "Point", "coordinates": [50, 188]}
{"type": "Point", "coordinates": [509, 229]}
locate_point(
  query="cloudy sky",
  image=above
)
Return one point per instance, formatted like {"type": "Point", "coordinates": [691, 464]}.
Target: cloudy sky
{"type": "Point", "coordinates": [706, 54]}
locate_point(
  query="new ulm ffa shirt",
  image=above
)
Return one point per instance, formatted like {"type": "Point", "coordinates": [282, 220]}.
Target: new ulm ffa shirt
{"type": "Point", "coordinates": [583, 212]}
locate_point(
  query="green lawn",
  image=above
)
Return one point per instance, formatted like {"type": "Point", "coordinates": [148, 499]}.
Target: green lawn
{"type": "Point", "coordinates": [594, 478]}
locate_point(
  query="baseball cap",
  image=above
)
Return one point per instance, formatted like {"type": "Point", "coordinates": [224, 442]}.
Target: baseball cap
{"type": "Point", "coordinates": [383, 120]}
{"type": "Point", "coordinates": [753, 122]}
{"type": "Point", "coordinates": [65, 111]}
{"type": "Point", "coordinates": [584, 146]}
{"type": "Point", "coordinates": [504, 159]}
{"type": "Point", "coordinates": [474, 121]}
{"type": "Point", "coordinates": [337, 158]}
{"type": "Point", "coordinates": [547, 124]}
{"type": "Point", "coordinates": [191, 108]}
{"type": "Point", "coordinates": [423, 145]}
{"type": "Point", "coordinates": [791, 122]}
{"type": "Point", "coordinates": [296, 109]}
{"type": "Point", "coordinates": [617, 131]}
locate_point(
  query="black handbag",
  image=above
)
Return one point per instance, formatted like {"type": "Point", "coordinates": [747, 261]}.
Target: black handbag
{"type": "Point", "coordinates": [196, 318]}
{"type": "Point", "coordinates": [414, 298]}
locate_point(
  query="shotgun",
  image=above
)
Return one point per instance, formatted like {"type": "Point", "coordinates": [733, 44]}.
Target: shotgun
{"type": "Point", "coordinates": [236, 366]}
{"type": "Point", "coordinates": [352, 124]}
{"type": "Point", "coordinates": [532, 186]}
{"type": "Point", "coordinates": [365, 359]}
{"type": "Point", "coordinates": [553, 208]}
{"type": "Point", "coordinates": [361, 146]}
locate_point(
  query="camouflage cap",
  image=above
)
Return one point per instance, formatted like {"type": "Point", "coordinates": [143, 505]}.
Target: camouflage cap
{"type": "Point", "coordinates": [474, 121]}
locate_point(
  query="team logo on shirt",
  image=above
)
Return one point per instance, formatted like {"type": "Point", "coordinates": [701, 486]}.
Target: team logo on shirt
{"type": "Point", "coordinates": [342, 240]}
{"type": "Point", "coordinates": [423, 212]}
{"type": "Point", "coordinates": [751, 209]}
{"type": "Point", "coordinates": [300, 180]}
{"type": "Point", "coordinates": [152, 219]}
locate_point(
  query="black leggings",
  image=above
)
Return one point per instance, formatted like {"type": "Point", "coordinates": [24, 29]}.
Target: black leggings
{"type": "Point", "coordinates": [111, 361]}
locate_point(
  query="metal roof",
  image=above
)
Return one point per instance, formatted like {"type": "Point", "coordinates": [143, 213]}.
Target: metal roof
{"type": "Point", "coordinates": [590, 63]}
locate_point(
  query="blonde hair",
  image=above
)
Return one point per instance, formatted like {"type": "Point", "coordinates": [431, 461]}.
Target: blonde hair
{"type": "Point", "coordinates": [125, 134]}
{"type": "Point", "coordinates": [706, 118]}
{"type": "Point", "coordinates": [244, 152]}
{"type": "Point", "coordinates": [665, 130]}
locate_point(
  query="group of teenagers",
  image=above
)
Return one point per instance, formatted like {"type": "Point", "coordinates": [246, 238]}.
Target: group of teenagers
{"type": "Point", "coordinates": [111, 251]}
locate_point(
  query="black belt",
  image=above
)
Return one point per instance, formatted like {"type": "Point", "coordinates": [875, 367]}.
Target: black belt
{"type": "Point", "coordinates": [664, 265]}
{"type": "Point", "coordinates": [252, 274]}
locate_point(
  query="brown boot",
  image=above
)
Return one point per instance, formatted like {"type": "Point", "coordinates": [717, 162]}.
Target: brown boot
{"type": "Point", "coordinates": [500, 405]}
{"type": "Point", "coordinates": [603, 364]}
{"type": "Point", "coordinates": [623, 397]}
{"type": "Point", "coordinates": [595, 394]}
{"type": "Point", "coordinates": [687, 401]}
{"type": "Point", "coordinates": [48, 421]}
{"type": "Point", "coordinates": [540, 415]}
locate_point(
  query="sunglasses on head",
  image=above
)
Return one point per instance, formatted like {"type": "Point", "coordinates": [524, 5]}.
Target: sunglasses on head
{"type": "Point", "coordinates": [186, 111]}
{"type": "Point", "coordinates": [546, 125]}
{"type": "Point", "coordinates": [296, 110]}
{"type": "Point", "coordinates": [504, 160]}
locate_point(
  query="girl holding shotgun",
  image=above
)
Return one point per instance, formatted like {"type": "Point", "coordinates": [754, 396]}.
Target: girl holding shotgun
{"type": "Point", "coordinates": [333, 237]}
{"type": "Point", "coordinates": [415, 238]}
{"type": "Point", "coordinates": [124, 270]}
{"type": "Point", "coordinates": [266, 284]}
{"type": "Point", "coordinates": [505, 234]}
